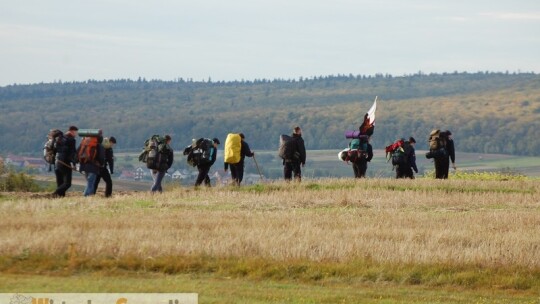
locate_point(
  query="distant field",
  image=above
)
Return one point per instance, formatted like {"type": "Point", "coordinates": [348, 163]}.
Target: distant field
{"type": "Point", "coordinates": [325, 164]}
{"type": "Point", "coordinates": [322, 241]}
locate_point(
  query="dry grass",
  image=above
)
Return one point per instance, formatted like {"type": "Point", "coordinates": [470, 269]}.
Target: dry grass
{"type": "Point", "coordinates": [488, 224]}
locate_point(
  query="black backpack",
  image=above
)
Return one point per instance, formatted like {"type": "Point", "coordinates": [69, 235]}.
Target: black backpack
{"type": "Point", "coordinates": [201, 153]}
{"type": "Point", "coordinates": [287, 148]}
{"type": "Point", "coordinates": [55, 142]}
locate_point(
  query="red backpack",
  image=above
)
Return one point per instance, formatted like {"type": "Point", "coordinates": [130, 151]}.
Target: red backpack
{"type": "Point", "coordinates": [88, 150]}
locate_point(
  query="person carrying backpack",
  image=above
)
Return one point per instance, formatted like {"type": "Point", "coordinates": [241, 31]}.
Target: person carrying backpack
{"type": "Point", "coordinates": [359, 163]}
{"type": "Point", "coordinates": [204, 167]}
{"type": "Point", "coordinates": [108, 145]}
{"type": "Point", "coordinates": [407, 162]}
{"type": "Point", "coordinates": [65, 160]}
{"type": "Point", "coordinates": [294, 160]}
{"type": "Point", "coordinates": [165, 161]}
{"type": "Point", "coordinates": [442, 163]}
{"type": "Point", "coordinates": [237, 169]}
{"type": "Point", "coordinates": [91, 156]}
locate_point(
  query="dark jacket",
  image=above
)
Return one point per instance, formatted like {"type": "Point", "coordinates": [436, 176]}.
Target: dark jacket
{"type": "Point", "coordinates": [300, 148]}
{"type": "Point", "coordinates": [67, 153]}
{"type": "Point", "coordinates": [213, 158]}
{"type": "Point", "coordinates": [411, 158]}
{"type": "Point", "coordinates": [109, 160]}
{"type": "Point", "coordinates": [369, 152]}
{"type": "Point", "coordinates": [450, 149]}
{"type": "Point", "coordinates": [166, 160]}
{"type": "Point", "coordinates": [94, 166]}
{"type": "Point", "coordinates": [244, 151]}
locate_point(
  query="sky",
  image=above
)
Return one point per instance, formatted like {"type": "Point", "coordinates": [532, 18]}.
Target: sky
{"type": "Point", "coordinates": [71, 40]}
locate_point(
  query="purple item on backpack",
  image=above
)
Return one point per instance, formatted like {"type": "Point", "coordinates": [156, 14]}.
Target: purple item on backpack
{"type": "Point", "coordinates": [352, 134]}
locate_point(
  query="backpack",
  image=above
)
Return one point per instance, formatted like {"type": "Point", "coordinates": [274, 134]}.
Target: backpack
{"type": "Point", "coordinates": [233, 148]}
{"type": "Point", "coordinates": [287, 148]}
{"type": "Point", "coordinates": [394, 150]}
{"type": "Point", "coordinates": [155, 152]}
{"type": "Point", "coordinates": [200, 153]}
{"type": "Point", "coordinates": [400, 155]}
{"type": "Point", "coordinates": [55, 139]}
{"type": "Point", "coordinates": [106, 143]}
{"type": "Point", "coordinates": [88, 150]}
{"type": "Point", "coordinates": [437, 144]}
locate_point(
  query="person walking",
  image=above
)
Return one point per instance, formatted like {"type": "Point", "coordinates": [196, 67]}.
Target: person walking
{"type": "Point", "coordinates": [237, 170]}
{"type": "Point", "coordinates": [405, 168]}
{"type": "Point", "coordinates": [91, 156]}
{"type": "Point", "coordinates": [205, 168]}
{"type": "Point", "coordinates": [165, 163]}
{"type": "Point", "coordinates": [108, 145]}
{"type": "Point", "coordinates": [442, 163]}
{"type": "Point", "coordinates": [360, 163]}
{"type": "Point", "coordinates": [294, 165]}
{"type": "Point", "coordinates": [66, 159]}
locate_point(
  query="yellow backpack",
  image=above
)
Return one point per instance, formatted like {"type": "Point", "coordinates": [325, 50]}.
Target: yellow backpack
{"type": "Point", "coordinates": [233, 147]}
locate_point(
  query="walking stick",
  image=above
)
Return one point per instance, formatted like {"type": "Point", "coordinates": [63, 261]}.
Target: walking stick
{"type": "Point", "coordinates": [68, 166]}
{"type": "Point", "coordinates": [257, 165]}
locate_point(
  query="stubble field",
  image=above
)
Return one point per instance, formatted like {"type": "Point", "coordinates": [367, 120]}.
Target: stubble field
{"type": "Point", "coordinates": [331, 241]}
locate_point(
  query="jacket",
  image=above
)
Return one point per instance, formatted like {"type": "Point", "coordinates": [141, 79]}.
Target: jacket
{"type": "Point", "coordinates": [109, 159]}
{"type": "Point", "coordinates": [166, 160]}
{"type": "Point", "coordinates": [67, 153]}
{"type": "Point", "coordinates": [300, 148]}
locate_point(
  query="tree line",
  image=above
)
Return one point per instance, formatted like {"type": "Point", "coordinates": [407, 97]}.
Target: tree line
{"type": "Point", "coordinates": [488, 112]}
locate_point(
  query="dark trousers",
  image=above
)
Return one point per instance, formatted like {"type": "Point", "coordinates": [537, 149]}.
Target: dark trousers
{"type": "Point", "coordinates": [292, 167]}
{"type": "Point", "coordinates": [203, 176]}
{"type": "Point", "coordinates": [404, 172]}
{"type": "Point", "coordinates": [359, 168]}
{"type": "Point", "coordinates": [63, 180]}
{"type": "Point", "coordinates": [237, 172]}
{"type": "Point", "coordinates": [104, 173]}
{"type": "Point", "coordinates": [441, 167]}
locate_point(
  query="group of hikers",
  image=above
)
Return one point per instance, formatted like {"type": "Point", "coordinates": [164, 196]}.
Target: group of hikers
{"type": "Point", "coordinates": [95, 157]}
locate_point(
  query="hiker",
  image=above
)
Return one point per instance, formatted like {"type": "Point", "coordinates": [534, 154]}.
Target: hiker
{"type": "Point", "coordinates": [237, 169]}
{"type": "Point", "coordinates": [442, 163]}
{"type": "Point", "coordinates": [404, 168]}
{"type": "Point", "coordinates": [360, 162]}
{"type": "Point", "coordinates": [165, 163]}
{"type": "Point", "coordinates": [293, 163]}
{"type": "Point", "coordinates": [66, 159]}
{"type": "Point", "coordinates": [108, 145]}
{"type": "Point", "coordinates": [204, 167]}
{"type": "Point", "coordinates": [91, 156]}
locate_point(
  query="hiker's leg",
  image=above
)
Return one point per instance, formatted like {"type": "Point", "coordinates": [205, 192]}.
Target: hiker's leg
{"type": "Point", "coordinates": [355, 170]}
{"type": "Point", "coordinates": [90, 182]}
{"type": "Point", "coordinates": [201, 176]}
{"type": "Point", "coordinates": [297, 168]}
{"type": "Point", "coordinates": [240, 173]}
{"type": "Point", "coordinates": [65, 180]}
{"type": "Point", "coordinates": [362, 168]}
{"type": "Point", "coordinates": [98, 179]}
{"type": "Point", "coordinates": [108, 182]}
{"type": "Point", "coordinates": [287, 171]}
{"type": "Point", "coordinates": [157, 183]}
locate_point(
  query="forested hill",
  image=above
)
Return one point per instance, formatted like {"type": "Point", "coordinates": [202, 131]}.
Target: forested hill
{"type": "Point", "coordinates": [487, 112]}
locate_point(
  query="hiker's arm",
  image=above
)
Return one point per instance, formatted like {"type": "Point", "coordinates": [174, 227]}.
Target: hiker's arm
{"type": "Point", "coordinates": [246, 150]}
{"type": "Point", "coordinates": [302, 151]}
{"type": "Point", "coordinates": [452, 151]}
{"type": "Point", "coordinates": [413, 162]}
{"type": "Point", "coordinates": [369, 152]}
{"type": "Point", "coordinates": [171, 159]}
{"type": "Point", "coordinates": [111, 161]}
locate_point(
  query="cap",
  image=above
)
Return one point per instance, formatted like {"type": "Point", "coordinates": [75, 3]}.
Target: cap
{"type": "Point", "coordinates": [215, 140]}
{"type": "Point", "coordinates": [448, 132]}
{"type": "Point", "coordinates": [112, 139]}
{"type": "Point", "coordinates": [73, 128]}
{"type": "Point", "coordinates": [412, 140]}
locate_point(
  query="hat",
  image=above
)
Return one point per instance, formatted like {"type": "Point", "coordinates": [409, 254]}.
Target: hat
{"type": "Point", "coordinates": [448, 132]}
{"type": "Point", "coordinates": [215, 140]}
{"type": "Point", "coordinates": [112, 139]}
{"type": "Point", "coordinates": [73, 128]}
{"type": "Point", "coordinates": [412, 140]}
